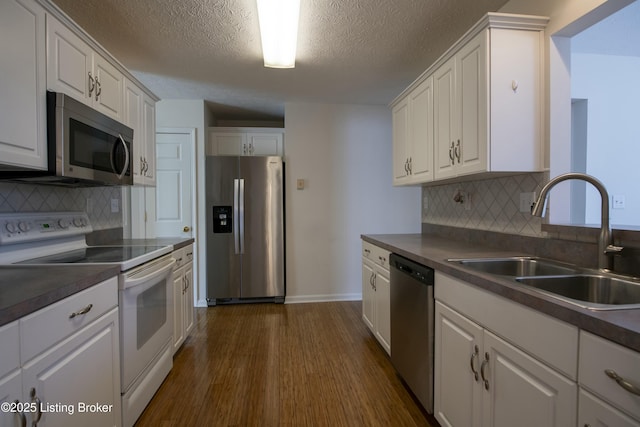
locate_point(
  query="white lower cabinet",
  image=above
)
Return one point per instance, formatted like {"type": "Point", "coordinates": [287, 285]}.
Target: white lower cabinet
{"type": "Point", "coordinates": [376, 293]}
{"type": "Point", "coordinates": [482, 375]}
{"type": "Point", "coordinates": [610, 383]}
{"type": "Point", "coordinates": [182, 296]}
{"type": "Point", "coordinates": [593, 412]}
{"type": "Point", "coordinates": [73, 380]}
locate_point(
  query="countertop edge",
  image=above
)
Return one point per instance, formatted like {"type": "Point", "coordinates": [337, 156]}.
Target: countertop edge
{"type": "Point", "coordinates": [619, 326]}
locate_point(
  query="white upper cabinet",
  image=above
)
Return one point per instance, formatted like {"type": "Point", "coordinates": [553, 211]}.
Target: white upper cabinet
{"type": "Point", "coordinates": [22, 89]}
{"type": "Point", "coordinates": [486, 112]}
{"type": "Point", "coordinates": [75, 69]}
{"type": "Point", "coordinates": [413, 133]}
{"type": "Point", "coordinates": [139, 114]}
{"type": "Point", "coordinates": [228, 141]}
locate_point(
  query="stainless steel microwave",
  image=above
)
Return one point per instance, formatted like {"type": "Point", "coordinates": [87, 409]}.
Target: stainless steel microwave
{"type": "Point", "coordinates": [84, 148]}
{"type": "Point", "coordinates": [88, 146]}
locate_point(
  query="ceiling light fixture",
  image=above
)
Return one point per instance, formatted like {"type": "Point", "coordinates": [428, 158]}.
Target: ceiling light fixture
{"type": "Point", "coordinates": [279, 31]}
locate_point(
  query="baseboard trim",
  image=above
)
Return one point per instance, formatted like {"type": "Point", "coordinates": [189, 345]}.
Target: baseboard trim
{"type": "Point", "coordinates": [299, 299]}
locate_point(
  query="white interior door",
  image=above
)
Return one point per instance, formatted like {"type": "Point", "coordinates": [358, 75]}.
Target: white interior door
{"type": "Point", "coordinates": [175, 182]}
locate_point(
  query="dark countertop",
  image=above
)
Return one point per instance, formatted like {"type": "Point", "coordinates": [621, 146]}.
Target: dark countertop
{"type": "Point", "coordinates": [176, 242]}
{"type": "Point", "coordinates": [620, 326]}
{"type": "Point", "coordinates": [26, 289]}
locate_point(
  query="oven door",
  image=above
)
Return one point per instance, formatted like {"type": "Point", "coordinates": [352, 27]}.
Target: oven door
{"type": "Point", "coordinates": [146, 324]}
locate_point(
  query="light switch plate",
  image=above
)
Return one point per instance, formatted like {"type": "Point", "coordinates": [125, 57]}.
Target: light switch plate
{"type": "Point", "coordinates": [300, 184]}
{"type": "Point", "coordinates": [115, 205]}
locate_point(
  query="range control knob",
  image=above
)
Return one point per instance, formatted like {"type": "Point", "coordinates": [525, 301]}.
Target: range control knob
{"type": "Point", "coordinates": [64, 223]}
{"type": "Point", "coordinates": [11, 227]}
{"type": "Point", "coordinates": [24, 226]}
{"type": "Point", "coordinates": [79, 222]}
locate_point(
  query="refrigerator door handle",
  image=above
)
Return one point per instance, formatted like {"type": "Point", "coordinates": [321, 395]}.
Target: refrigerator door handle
{"type": "Point", "coordinates": [236, 216]}
{"type": "Point", "coordinates": [241, 222]}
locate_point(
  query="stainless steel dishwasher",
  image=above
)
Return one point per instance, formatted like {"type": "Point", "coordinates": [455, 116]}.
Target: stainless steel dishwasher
{"type": "Point", "coordinates": [412, 326]}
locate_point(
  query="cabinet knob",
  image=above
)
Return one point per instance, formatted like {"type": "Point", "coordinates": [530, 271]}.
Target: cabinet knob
{"type": "Point", "coordinates": [186, 229]}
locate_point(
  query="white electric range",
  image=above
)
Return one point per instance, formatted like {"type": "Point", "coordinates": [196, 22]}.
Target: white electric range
{"type": "Point", "coordinates": [144, 292]}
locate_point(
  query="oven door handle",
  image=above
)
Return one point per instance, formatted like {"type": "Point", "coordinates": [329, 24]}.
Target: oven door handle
{"type": "Point", "coordinates": [135, 280]}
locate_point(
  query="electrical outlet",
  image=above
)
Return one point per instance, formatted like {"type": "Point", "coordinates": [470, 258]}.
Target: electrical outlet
{"type": "Point", "coordinates": [526, 201]}
{"type": "Point", "coordinates": [115, 205]}
{"type": "Point", "coordinates": [618, 201]}
{"type": "Point", "coordinates": [467, 201]}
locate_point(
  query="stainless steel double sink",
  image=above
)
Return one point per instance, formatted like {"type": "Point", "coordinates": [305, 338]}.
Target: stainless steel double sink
{"type": "Point", "coordinates": [588, 288]}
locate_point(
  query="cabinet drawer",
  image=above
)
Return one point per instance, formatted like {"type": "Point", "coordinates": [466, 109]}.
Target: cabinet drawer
{"type": "Point", "coordinates": [594, 412]}
{"type": "Point", "coordinates": [598, 355]}
{"type": "Point", "coordinates": [180, 257]}
{"type": "Point", "coordinates": [10, 348]}
{"type": "Point", "coordinates": [44, 328]}
{"type": "Point", "coordinates": [375, 254]}
{"type": "Point", "coordinates": [188, 252]}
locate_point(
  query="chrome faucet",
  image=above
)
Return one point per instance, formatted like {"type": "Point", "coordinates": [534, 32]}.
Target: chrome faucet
{"type": "Point", "coordinates": [606, 249]}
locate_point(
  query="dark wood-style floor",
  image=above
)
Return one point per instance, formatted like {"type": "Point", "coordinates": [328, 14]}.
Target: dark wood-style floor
{"type": "Point", "coordinates": [282, 365]}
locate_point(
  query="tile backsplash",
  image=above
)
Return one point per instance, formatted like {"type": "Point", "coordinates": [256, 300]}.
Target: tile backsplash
{"type": "Point", "coordinates": [16, 197]}
{"type": "Point", "coordinates": [488, 204]}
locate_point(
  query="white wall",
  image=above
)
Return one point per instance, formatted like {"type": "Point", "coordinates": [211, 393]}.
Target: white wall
{"type": "Point", "coordinates": [343, 152]}
{"type": "Point", "coordinates": [190, 114]}
{"type": "Point", "coordinates": [608, 82]}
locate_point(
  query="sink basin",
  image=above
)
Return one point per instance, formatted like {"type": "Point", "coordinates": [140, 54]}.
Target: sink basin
{"type": "Point", "coordinates": [594, 291]}
{"type": "Point", "coordinates": [517, 266]}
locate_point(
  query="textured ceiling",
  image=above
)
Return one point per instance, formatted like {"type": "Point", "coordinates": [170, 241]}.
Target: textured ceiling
{"type": "Point", "coordinates": [350, 51]}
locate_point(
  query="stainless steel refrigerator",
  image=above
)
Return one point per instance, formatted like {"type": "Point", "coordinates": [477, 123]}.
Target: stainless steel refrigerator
{"type": "Point", "coordinates": [245, 229]}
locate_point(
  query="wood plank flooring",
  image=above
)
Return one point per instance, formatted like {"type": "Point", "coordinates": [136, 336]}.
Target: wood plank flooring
{"type": "Point", "coordinates": [282, 365]}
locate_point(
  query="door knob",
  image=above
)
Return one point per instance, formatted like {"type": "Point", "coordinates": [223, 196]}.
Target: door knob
{"type": "Point", "coordinates": [186, 229]}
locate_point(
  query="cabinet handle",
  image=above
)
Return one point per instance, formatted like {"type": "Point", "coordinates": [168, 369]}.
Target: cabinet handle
{"type": "Point", "coordinates": [406, 166]}
{"type": "Point", "coordinates": [457, 151]}
{"type": "Point", "coordinates": [371, 278]}
{"type": "Point", "coordinates": [474, 356]}
{"type": "Point", "coordinates": [367, 251]}
{"type": "Point", "coordinates": [23, 418]}
{"type": "Point", "coordinates": [375, 277]}
{"type": "Point", "coordinates": [410, 166]}
{"type": "Point", "coordinates": [81, 312]}
{"type": "Point", "coordinates": [451, 157]}
{"type": "Point", "coordinates": [485, 362]}
{"type": "Point", "coordinates": [98, 88]}
{"type": "Point", "coordinates": [251, 150]}
{"type": "Point", "coordinates": [38, 402]}
{"type": "Point", "coordinates": [92, 84]}
{"type": "Point", "coordinates": [622, 382]}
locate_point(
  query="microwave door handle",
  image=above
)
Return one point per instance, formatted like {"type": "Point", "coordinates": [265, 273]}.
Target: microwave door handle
{"type": "Point", "coordinates": [126, 159]}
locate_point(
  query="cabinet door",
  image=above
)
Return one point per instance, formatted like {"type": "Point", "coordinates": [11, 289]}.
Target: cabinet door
{"type": "Point", "coordinates": [69, 62]}
{"type": "Point", "coordinates": [108, 94]}
{"type": "Point", "coordinates": [149, 135]}
{"type": "Point", "coordinates": [457, 389]}
{"type": "Point", "coordinates": [82, 369]}
{"type": "Point", "coordinates": [23, 117]}
{"type": "Point", "coordinates": [444, 119]}
{"type": "Point", "coordinates": [383, 308]}
{"type": "Point", "coordinates": [594, 412]}
{"type": "Point", "coordinates": [10, 392]}
{"type": "Point", "coordinates": [264, 144]}
{"type": "Point", "coordinates": [421, 132]}
{"type": "Point", "coordinates": [133, 119]}
{"type": "Point", "coordinates": [368, 294]}
{"type": "Point", "coordinates": [227, 144]}
{"type": "Point", "coordinates": [472, 106]}
{"type": "Point", "coordinates": [522, 391]}
{"type": "Point", "coordinates": [178, 308]}
{"type": "Point", "coordinates": [10, 373]}
{"type": "Point", "coordinates": [188, 299]}
{"type": "Point", "coordinates": [400, 118]}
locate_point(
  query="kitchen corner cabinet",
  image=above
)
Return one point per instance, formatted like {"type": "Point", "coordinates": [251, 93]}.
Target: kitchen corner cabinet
{"type": "Point", "coordinates": [183, 320]}
{"type": "Point", "coordinates": [75, 69]}
{"type": "Point", "coordinates": [23, 141]}
{"type": "Point", "coordinates": [225, 141]}
{"type": "Point", "coordinates": [376, 293]}
{"type": "Point", "coordinates": [413, 136]}
{"type": "Point", "coordinates": [492, 369]}
{"type": "Point", "coordinates": [486, 111]}
{"type": "Point", "coordinates": [140, 115]}
{"type": "Point", "coordinates": [49, 358]}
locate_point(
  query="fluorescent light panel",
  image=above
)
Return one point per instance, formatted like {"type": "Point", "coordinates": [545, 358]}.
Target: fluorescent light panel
{"type": "Point", "coordinates": [279, 31]}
